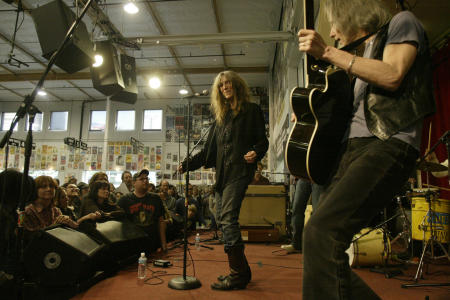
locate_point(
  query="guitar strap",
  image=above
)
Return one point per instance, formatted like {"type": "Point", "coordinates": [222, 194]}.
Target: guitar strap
{"type": "Point", "coordinates": [354, 44]}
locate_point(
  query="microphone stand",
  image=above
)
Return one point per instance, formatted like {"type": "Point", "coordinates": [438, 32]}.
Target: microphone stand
{"type": "Point", "coordinates": [186, 282]}
{"type": "Point", "coordinates": [27, 107]}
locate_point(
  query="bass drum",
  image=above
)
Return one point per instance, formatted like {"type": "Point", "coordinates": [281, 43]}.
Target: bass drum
{"type": "Point", "coordinates": [368, 250]}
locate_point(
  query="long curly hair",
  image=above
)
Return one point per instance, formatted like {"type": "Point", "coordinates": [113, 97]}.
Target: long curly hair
{"type": "Point", "coordinates": [219, 105]}
{"type": "Point", "coordinates": [350, 16]}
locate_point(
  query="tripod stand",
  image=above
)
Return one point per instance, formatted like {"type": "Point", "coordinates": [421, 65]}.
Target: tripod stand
{"type": "Point", "coordinates": [425, 225]}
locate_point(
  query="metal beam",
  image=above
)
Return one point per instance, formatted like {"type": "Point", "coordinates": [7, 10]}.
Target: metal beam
{"type": "Point", "coordinates": [11, 91]}
{"type": "Point", "coordinates": [214, 38]}
{"type": "Point", "coordinates": [141, 72]}
{"type": "Point", "coordinates": [219, 29]}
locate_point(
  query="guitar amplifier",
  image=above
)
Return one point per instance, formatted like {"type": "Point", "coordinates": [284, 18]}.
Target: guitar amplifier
{"type": "Point", "coordinates": [263, 213]}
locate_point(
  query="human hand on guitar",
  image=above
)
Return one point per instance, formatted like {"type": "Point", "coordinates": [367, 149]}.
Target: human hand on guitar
{"type": "Point", "coordinates": [250, 157]}
{"type": "Point", "coordinates": [312, 43]}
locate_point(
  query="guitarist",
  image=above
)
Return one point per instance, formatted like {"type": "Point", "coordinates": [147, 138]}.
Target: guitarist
{"type": "Point", "coordinates": [392, 95]}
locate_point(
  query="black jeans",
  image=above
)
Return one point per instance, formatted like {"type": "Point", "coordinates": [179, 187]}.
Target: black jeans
{"type": "Point", "coordinates": [228, 207]}
{"type": "Point", "coordinates": [369, 174]}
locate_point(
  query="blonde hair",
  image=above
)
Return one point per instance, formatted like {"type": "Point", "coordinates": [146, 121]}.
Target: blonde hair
{"type": "Point", "coordinates": [350, 16]}
{"type": "Point", "coordinates": [218, 101]}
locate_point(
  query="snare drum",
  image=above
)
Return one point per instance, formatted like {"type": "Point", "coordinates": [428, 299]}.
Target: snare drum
{"type": "Point", "coordinates": [368, 250]}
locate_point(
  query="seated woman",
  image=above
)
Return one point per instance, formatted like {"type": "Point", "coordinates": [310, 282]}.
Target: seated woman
{"type": "Point", "coordinates": [61, 201]}
{"type": "Point", "coordinates": [42, 213]}
{"type": "Point", "coordinates": [97, 201]}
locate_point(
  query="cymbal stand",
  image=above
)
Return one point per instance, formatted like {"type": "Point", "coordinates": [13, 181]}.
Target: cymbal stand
{"type": "Point", "coordinates": [430, 215]}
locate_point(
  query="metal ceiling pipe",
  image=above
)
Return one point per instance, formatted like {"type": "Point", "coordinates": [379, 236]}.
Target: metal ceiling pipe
{"type": "Point", "coordinates": [215, 38]}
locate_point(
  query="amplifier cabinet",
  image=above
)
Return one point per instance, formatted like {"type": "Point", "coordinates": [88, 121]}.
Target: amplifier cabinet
{"type": "Point", "coordinates": [264, 206]}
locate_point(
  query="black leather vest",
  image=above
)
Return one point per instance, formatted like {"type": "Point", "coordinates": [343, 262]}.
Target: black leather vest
{"type": "Point", "coordinates": [388, 112]}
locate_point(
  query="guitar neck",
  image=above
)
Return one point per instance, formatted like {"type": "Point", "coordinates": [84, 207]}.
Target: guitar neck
{"type": "Point", "coordinates": [308, 15]}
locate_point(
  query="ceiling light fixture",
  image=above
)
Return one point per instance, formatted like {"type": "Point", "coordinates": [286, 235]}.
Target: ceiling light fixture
{"type": "Point", "coordinates": [131, 8]}
{"type": "Point", "coordinates": [42, 93]}
{"type": "Point", "coordinates": [154, 82]}
{"type": "Point", "coordinates": [98, 61]}
{"type": "Point", "coordinates": [183, 91]}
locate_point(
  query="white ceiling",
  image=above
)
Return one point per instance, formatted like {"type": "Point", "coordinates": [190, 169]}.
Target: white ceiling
{"type": "Point", "coordinates": [196, 63]}
{"type": "Point", "coordinates": [194, 68]}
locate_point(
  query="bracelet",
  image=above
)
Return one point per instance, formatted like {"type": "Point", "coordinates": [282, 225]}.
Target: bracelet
{"type": "Point", "coordinates": [350, 65]}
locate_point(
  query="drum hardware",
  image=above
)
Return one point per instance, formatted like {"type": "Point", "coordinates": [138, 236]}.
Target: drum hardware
{"type": "Point", "coordinates": [430, 196]}
{"type": "Point", "coordinates": [405, 234]}
{"type": "Point", "coordinates": [372, 240]}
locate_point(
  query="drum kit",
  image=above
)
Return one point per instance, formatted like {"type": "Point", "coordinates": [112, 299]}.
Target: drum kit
{"type": "Point", "coordinates": [422, 215]}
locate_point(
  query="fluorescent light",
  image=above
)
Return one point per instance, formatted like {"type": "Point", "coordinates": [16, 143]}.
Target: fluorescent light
{"type": "Point", "coordinates": [98, 61]}
{"type": "Point", "coordinates": [131, 8]}
{"type": "Point", "coordinates": [42, 93]}
{"type": "Point", "coordinates": [154, 82]}
{"type": "Point", "coordinates": [183, 91]}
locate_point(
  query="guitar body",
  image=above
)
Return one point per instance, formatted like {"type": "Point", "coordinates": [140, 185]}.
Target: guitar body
{"type": "Point", "coordinates": [323, 112]}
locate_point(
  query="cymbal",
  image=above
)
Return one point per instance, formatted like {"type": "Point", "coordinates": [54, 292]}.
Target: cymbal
{"type": "Point", "coordinates": [430, 167]}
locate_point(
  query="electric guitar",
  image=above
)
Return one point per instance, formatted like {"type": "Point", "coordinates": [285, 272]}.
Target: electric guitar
{"type": "Point", "coordinates": [322, 111]}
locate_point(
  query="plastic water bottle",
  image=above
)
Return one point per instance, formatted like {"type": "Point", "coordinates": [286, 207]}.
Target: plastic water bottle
{"type": "Point", "coordinates": [197, 241]}
{"type": "Point", "coordinates": [142, 266]}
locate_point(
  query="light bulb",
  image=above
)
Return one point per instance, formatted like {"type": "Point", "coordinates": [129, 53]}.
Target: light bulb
{"type": "Point", "coordinates": [131, 8]}
{"type": "Point", "coordinates": [98, 61]}
{"type": "Point", "coordinates": [154, 82]}
{"type": "Point", "coordinates": [42, 93]}
{"type": "Point", "coordinates": [183, 91]}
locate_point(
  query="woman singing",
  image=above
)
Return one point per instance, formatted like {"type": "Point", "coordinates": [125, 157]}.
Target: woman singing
{"type": "Point", "coordinates": [236, 142]}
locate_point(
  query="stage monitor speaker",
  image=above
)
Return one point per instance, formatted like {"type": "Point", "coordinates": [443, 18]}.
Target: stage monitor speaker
{"type": "Point", "coordinates": [130, 92]}
{"type": "Point", "coordinates": [107, 78]}
{"type": "Point", "coordinates": [52, 21]}
{"type": "Point", "coordinates": [62, 256]}
{"type": "Point", "coordinates": [123, 239]}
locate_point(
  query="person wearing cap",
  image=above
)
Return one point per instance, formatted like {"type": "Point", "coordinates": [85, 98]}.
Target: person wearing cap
{"type": "Point", "coordinates": [146, 210]}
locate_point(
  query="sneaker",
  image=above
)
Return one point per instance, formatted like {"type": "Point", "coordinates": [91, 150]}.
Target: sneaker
{"type": "Point", "coordinates": [290, 249]}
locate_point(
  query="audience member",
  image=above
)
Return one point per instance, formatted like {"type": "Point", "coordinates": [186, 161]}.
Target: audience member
{"type": "Point", "coordinates": [42, 213]}
{"type": "Point", "coordinates": [73, 192]}
{"type": "Point", "coordinates": [99, 203]}
{"type": "Point", "coordinates": [61, 201]}
{"type": "Point", "coordinates": [146, 210]}
{"type": "Point", "coordinates": [127, 183]}
{"type": "Point", "coordinates": [10, 192]}
{"type": "Point", "coordinates": [84, 189]}
{"type": "Point", "coordinates": [258, 178]}
{"type": "Point", "coordinates": [180, 206]}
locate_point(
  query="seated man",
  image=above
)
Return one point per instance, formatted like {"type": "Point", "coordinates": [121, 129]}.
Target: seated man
{"type": "Point", "coordinates": [146, 210]}
{"type": "Point", "coordinates": [180, 207]}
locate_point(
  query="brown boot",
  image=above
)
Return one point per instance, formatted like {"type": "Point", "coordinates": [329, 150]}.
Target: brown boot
{"type": "Point", "coordinates": [240, 273]}
{"type": "Point", "coordinates": [249, 272]}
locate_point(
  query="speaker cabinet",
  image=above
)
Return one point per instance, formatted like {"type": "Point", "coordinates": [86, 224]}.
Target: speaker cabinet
{"type": "Point", "coordinates": [129, 93]}
{"type": "Point", "coordinates": [123, 239]}
{"type": "Point", "coordinates": [61, 256]}
{"type": "Point", "coordinates": [263, 213]}
{"type": "Point", "coordinates": [107, 78]}
{"type": "Point", "coordinates": [52, 21]}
